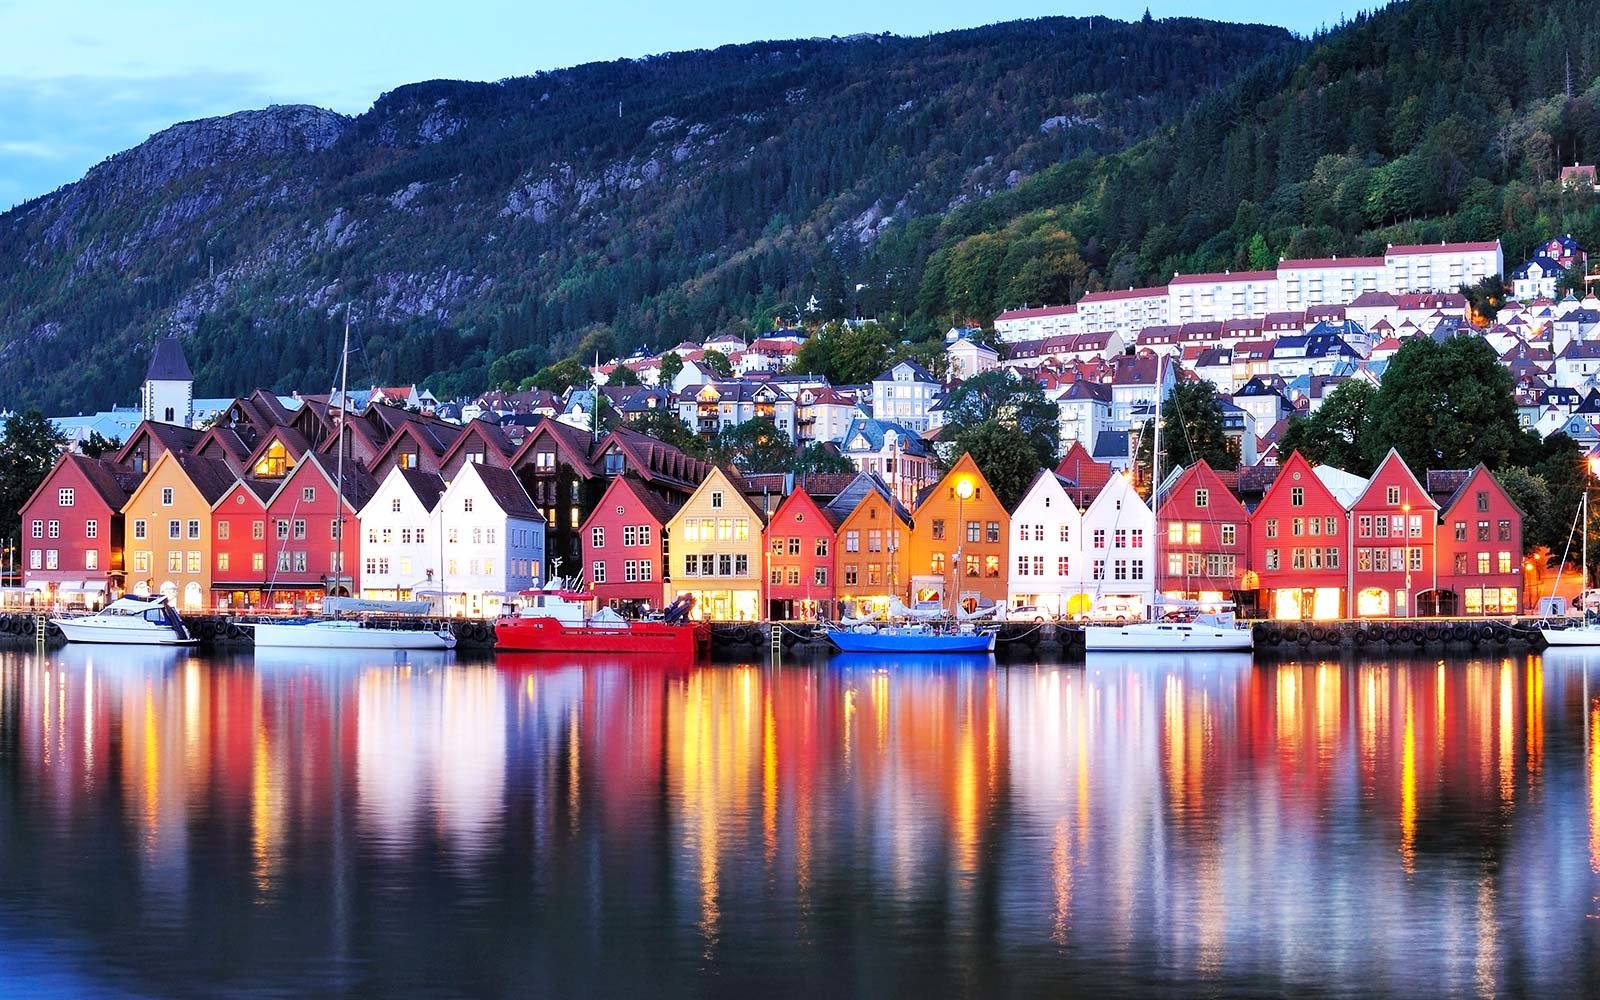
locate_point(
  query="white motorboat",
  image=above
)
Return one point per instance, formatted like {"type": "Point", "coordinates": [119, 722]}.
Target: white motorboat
{"type": "Point", "coordinates": [1587, 631]}
{"type": "Point", "coordinates": [129, 621]}
{"type": "Point", "coordinates": [348, 633]}
{"type": "Point", "coordinates": [1204, 630]}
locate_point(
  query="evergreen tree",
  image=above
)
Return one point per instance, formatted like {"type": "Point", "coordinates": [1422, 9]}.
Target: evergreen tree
{"type": "Point", "coordinates": [27, 453]}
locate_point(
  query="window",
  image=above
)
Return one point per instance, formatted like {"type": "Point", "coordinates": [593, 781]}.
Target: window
{"type": "Point", "coordinates": [1272, 559]}
{"type": "Point", "coordinates": [1297, 496]}
{"type": "Point", "coordinates": [1063, 566]}
{"type": "Point", "coordinates": [299, 528]}
{"type": "Point", "coordinates": [974, 531]}
{"type": "Point", "coordinates": [223, 529]}
{"type": "Point", "coordinates": [1483, 531]}
{"type": "Point", "coordinates": [194, 528]}
{"type": "Point", "coordinates": [91, 529]}
{"type": "Point", "coordinates": [1483, 564]}
{"type": "Point", "coordinates": [991, 531]}
{"type": "Point", "coordinates": [991, 567]}
{"type": "Point", "coordinates": [138, 529]}
{"type": "Point", "coordinates": [65, 496]}
{"type": "Point", "coordinates": [716, 499]}
{"type": "Point", "coordinates": [258, 530]}
{"type": "Point", "coordinates": [822, 548]}
{"type": "Point", "coordinates": [1229, 534]}
{"type": "Point", "coordinates": [141, 562]}
{"type": "Point", "coordinates": [630, 535]}
{"type": "Point", "coordinates": [646, 570]}
{"type": "Point", "coordinates": [1022, 532]}
{"type": "Point", "coordinates": [819, 576]}
{"type": "Point", "coordinates": [630, 571]}
{"type": "Point", "coordinates": [597, 538]}
{"type": "Point", "coordinates": [597, 571]}
{"type": "Point", "coordinates": [1315, 525]}
{"type": "Point", "coordinates": [300, 562]}
{"type": "Point", "coordinates": [419, 536]}
{"type": "Point", "coordinates": [1038, 565]}
{"type": "Point", "coordinates": [174, 562]}
{"type": "Point", "coordinates": [691, 566]}
{"type": "Point", "coordinates": [55, 529]}
{"type": "Point", "coordinates": [1136, 569]}
{"type": "Point", "coordinates": [1394, 495]}
{"type": "Point", "coordinates": [1483, 500]}
{"type": "Point", "coordinates": [1330, 526]}
{"type": "Point", "coordinates": [1504, 561]}
{"type": "Point", "coordinates": [874, 540]}
{"type": "Point", "coordinates": [1099, 538]}
{"type": "Point", "coordinates": [849, 575]}
{"type": "Point", "coordinates": [1504, 534]}
{"type": "Point", "coordinates": [937, 564]}
{"type": "Point", "coordinates": [741, 565]}
{"type": "Point", "coordinates": [1272, 527]}
{"type": "Point", "coordinates": [222, 562]}
{"type": "Point", "coordinates": [174, 529]}
{"type": "Point", "coordinates": [852, 540]}
{"type": "Point", "coordinates": [1097, 569]}
{"type": "Point", "coordinates": [1022, 565]}
{"type": "Point", "coordinates": [938, 530]}
{"type": "Point", "coordinates": [1175, 563]}
{"type": "Point", "coordinates": [644, 534]}
{"type": "Point", "coordinates": [1364, 526]}
{"type": "Point", "coordinates": [1202, 498]}
{"type": "Point", "coordinates": [91, 559]}
{"type": "Point", "coordinates": [1298, 558]}
{"type": "Point", "coordinates": [309, 494]}
{"type": "Point", "coordinates": [166, 496]}
{"type": "Point", "coordinates": [466, 505]}
{"type": "Point", "coordinates": [1331, 557]}
{"type": "Point", "coordinates": [1461, 563]}
{"type": "Point", "coordinates": [1380, 527]}
{"type": "Point", "coordinates": [1119, 569]}
{"type": "Point", "coordinates": [394, 505]}
{"type": "Point", "coordinates": [1066, 535]}
{"type": "Point", "coordinates": [37, 529]}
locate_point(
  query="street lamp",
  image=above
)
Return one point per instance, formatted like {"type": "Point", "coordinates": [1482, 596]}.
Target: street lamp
{"type": "Point", "coordinates": [964, 492]}
{"type": "Point", "coordinates": [1405, 509]}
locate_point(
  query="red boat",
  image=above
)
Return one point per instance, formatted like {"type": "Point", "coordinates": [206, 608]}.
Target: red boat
{"type": "Point", "coordinates": [556, 621]}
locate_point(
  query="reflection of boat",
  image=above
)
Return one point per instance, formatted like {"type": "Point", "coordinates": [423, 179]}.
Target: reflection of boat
{"type": "Point", "coordinates": [124, 659]}
{"type": "Point", "coordinates": [348, 660]}
{"type": "Point", "coordinates": [911, 639]}
{"type": "Point", "coordinates": [1207, 661]}
{"type": "Point", "coordinates": [349, 633]}
{"type": "Point", "coordinates": [1196, 630]}
{"type": "Point", "coordinates": [544, 662]}
{"type": "Point", "coordinates": [911, 661]}
{"type": "Point", "coordinates": [129, 621]}
{"type": "Point", "coordinates": [553, 620]}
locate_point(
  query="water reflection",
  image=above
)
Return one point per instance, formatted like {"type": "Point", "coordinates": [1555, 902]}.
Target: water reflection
{"type": "Point", "coordinates": [170, 822]}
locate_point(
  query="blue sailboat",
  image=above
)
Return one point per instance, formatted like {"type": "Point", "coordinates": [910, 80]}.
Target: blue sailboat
{"type": "Point", "coordinates": [911, 639]}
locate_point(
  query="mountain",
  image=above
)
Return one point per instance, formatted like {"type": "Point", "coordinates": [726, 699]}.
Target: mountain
{"type": "Point", "coordinates": [1425, 121]}
{"type": "Point", "coordinates": [480, 231]}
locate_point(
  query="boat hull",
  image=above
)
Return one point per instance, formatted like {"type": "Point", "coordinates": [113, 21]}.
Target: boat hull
{"type": "Point", "coordinates": [116, 634]}
{"type": "Point", "coordinates": [1155, 637]}
{"type": "Point", "coordinates": [878, 642]}
{"type": "Point", "coordinates": [346, 635]}
{"type": "Point", "coordinates": [548, 635]}
{"type": "Point", "coordinates": [1571, 636]}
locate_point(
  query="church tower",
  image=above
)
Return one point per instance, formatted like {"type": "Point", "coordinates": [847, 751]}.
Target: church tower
{"type": "Point", "coordinates": [169, 385]}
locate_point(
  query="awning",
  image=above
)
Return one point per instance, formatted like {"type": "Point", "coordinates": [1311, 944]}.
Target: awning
{"type": "Point", "coordinates": [69, 587]}
{"type": "Point", "coordinates": [85, 587]}
{"type": "Point", "coordinates": [42, 586]}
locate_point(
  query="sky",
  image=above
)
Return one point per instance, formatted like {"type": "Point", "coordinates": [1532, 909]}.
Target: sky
{"type": "Point", "coordinates": [82, 79]}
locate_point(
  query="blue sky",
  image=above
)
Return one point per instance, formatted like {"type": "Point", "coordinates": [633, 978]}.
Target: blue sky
{"type": "Point", "coordinates": [82, 79]}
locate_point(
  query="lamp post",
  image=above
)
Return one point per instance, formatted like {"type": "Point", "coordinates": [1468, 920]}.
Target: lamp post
{"type": "Point", "coordinates": [1405, 510]}
{"type": "Point", "coordinates": [964, 493]}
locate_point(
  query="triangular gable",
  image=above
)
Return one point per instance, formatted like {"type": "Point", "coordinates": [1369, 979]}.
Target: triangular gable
{"type": "Point", "coordinates": [1178, 496]}
{"type": "Point", "coordinates": [718, 478]}
{"type": "Point", "coordinates": [800, 498]}
{"type": "Point", "coordinates": [1297, 471]}
{"type": "Point", "coordinates": [550, 431]}
{"type": "Point", "coordinates": [1393, 471]}
{"type": "Point", "coordinates": [294, 443]}
{"type": "Point", "coordinates": [494, 442]}
{"type": "Point", "coordinates": [354, 495]}
{"type": "Point", "coordinates": [965, 466]}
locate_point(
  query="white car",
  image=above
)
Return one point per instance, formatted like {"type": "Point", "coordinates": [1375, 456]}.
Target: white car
{"type": "Point", "coordinates": [1027, 613]}
{"type": "Point", "coordinates": [1117, 609]}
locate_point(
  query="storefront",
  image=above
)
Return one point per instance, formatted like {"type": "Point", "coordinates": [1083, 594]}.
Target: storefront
{"type": "Point", "coordinates": [1308, 603]}
{"type": "Point", "coordinates": [725, 605]}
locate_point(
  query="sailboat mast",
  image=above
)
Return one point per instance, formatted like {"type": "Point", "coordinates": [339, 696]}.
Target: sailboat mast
{"type": "Point", "coordinates": [338, 499]}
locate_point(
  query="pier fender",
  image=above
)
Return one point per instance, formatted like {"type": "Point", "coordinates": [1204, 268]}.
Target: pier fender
{"type": "Point", "coordinates": [1431, 633]}
{"type": "Point", "coordinates": [1318, 634]}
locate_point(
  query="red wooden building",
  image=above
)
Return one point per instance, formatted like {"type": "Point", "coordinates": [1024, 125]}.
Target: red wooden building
{"type": "Point", "coordinates": [1298, 535]}
{"type": "Point", "coordinates": [1205, 539]}
{"type": "Point", "coordinates": [1480, 549]}
{"type": "Point", "coordinates": [72, 532]}
{"type": "Point", "coordinates": [1396, 527]}
{"type": "Point", "coordinates": [302, 541]}
{"type": "Point", "coordinates": [800, 539]}
{"type": "Point", "coordinates": [626, 534]}
{"type": "Point", "coordinates": [239, 570]}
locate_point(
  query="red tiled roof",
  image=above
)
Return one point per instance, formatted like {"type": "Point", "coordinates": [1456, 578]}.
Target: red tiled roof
{"type": "Point", "coordinates": [1193, 279]}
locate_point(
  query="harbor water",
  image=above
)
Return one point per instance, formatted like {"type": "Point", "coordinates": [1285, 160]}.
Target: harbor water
{"type": "Point", "coordinates": [313, 824]}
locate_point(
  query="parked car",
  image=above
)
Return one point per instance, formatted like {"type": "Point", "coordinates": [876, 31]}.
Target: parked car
{"type": "Point", "coordinates": [1117, 609]}
{"type": "Point", "coordinates": [1027, 613]}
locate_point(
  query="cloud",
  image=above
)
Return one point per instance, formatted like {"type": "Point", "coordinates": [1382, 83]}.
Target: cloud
{"type": "Point", "coordinates": [56, 128]}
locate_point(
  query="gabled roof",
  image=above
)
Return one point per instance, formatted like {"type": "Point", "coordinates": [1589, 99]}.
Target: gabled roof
{"type": "Point", "coordinates": [506, 489]}
{"type": "Point", "coordinates": [658, 507]}
{"type": "Point", "coordinates": [487, 431]}
{"type": "Point", "coordinates": [875, 432]}
{"type": "Point", "coordinates": [1392, 463]}
{"type": "Point", "coordinates": [918, 373]}
{"type": "Point", "coordinates": [864, 484]}
{"type": "Point", "coordinates": [427, 487]}
{"type": "Point", "coordinates": [170, 437]}
{"type": "Point", "coordinates": [1080, 468]}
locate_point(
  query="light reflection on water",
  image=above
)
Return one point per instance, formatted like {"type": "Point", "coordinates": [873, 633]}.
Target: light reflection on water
{"type": "Point", "coordinates": [172, 823]}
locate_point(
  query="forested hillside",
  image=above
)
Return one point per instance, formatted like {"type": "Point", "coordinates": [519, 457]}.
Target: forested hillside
{"type": "Point", "coordinates": [1428, 120]}
{"type": "Point", "coordinates": [482, 230]}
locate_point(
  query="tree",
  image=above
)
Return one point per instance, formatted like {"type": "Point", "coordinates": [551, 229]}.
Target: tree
{"type": "Point", "coordinates": [754, 446]}
{"type": "Point", "coordinates": [29, 450]}
{"type": "Point", "coordinates": [96, 445]}
{"type": "Point", "coordinates": [1191, 430]}
{"type": "Point", "coordinates": [1444, 406]}
{"type": "Point", "coordinates": [1485, 297]}
{"type": "Point", "coordinates": [1001, 397]}
{"type": "Point", "coordinates": [565, 374]}
{"type": "Point", "coordinates": [1531, 493]}
{"type": "Point", "coordinates": [1005, 455]}
{"type": "Point", "coordinates": [671, 368]}
{"type": "Point", "coordinates": [817, 459]}
{"type": "Point", "coordinates": [715, 362]}
{"type": "Point", "coordinates": [1336, 433]}
{"type": "Point", "coordinates": [623, 375]}
{"type": "Point", "coordinates": [845, 354]}
{"type": "Point", "coordinates": [663, 425]}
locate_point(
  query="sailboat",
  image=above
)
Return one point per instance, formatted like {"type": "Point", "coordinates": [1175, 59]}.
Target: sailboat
{"type": "Point", "coordinates": [1586, 632]}
{"type": "Point", "coordinates": [1175, 626]}
{"type": "Point", "coordinates": [376, 628]}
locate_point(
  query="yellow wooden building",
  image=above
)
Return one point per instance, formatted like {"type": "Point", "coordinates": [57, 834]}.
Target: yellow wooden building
{"type": "Point", "coordinates": [715, 552]}
{"type": "Point", "coordinates": [168, 526]}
